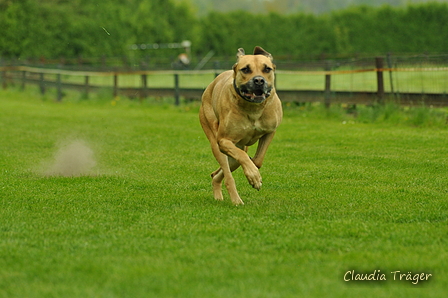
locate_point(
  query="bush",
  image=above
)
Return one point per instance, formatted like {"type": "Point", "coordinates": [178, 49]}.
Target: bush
{"type": "Point", "coordinates": [57, 28]}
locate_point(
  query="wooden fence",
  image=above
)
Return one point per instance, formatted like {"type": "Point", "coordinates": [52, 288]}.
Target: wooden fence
{"type": "Point", "coordinates": [24, 75]}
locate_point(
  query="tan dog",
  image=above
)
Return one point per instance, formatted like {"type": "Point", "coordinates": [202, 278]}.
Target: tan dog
{"type": "Point", "coordinates": [239, 108]}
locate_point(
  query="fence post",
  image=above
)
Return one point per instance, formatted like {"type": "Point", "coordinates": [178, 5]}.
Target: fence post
{"type": "Point", "coordinates": [145, 86]}
{"type": "Point", "coordinates": [86, 86]}
{"type": "Point", "coordinates": [389, 64]}
{"type": "Point", "coordinates": [42, 83]}
{"type": "Point", "coordinates": [4, 83]}
{"type": "Point", "coordinates": [23, 80]}
{"type": "Point", "coordinates": [59, 86]}
{"type": "Point", "coordinates": [379, 62]}
{"type": "Point", "coordinates": [216, 67]}
{"type": "Point", "coordinates": [115, 85]}
{"type": "Point", "coordinates": [327, 85]}
{"type": "Point", "coordinates": [176, 89]}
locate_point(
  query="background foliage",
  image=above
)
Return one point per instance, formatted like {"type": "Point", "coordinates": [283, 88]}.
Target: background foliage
{"type": "Point", "coordinates": [59, 28]}
{"type": "Point", "coordinates": [290, 6]}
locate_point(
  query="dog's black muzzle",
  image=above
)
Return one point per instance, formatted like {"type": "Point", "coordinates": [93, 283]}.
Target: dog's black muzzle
{"type": "Point", "coordinates": [256, 90]}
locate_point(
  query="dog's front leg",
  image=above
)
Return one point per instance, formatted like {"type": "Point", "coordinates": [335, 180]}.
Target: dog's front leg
{"type": "Point", "coordinates": [250, 170]}
{"type": "Point", "coordinates": [263, 144]}
{"type": "Point", "coordinates": [224, 172]}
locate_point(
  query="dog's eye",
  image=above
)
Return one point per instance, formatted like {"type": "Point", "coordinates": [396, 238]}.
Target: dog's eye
{"type": "Point", "coordinates": [246, 70]}
{"type": "Point", "coordinates": [267, 69]}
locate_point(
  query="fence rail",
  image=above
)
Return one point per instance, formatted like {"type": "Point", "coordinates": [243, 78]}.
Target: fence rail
{"type": "Point", "coordinates": [327, 94]}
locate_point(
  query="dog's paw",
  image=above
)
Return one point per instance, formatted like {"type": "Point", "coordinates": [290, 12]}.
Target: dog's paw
{"type": "Point", "coordinates": [237, 201]}
{"type": "Point", "coordinates": [254, 178]}
{"type": "Point", "coordinates": [217, 192]}
{"type": "Point", "coordinates": [257, 186]}
{"type": "Point", "coordinates": [218, 196]}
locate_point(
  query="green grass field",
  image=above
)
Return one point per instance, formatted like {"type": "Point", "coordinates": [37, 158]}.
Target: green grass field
{"type": "Point", "coordinates": [338, 195]}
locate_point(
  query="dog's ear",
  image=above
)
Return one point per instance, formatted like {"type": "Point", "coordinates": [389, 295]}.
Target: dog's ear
{"type": "Point", "coordinates": [240, 53]}
{"type": "Point", "coordinates": [260, 51]}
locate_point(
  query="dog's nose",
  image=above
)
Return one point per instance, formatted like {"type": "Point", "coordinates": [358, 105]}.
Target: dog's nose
{"type": "Point", "coordinates": [259, 81]}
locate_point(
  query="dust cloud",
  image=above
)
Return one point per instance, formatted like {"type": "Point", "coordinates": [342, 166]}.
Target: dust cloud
{"type": "Point", "coordinates": [72, 159]}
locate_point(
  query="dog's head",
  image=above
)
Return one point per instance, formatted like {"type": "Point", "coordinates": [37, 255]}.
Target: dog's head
{"type": "Point", "coordinates": [254, 75]}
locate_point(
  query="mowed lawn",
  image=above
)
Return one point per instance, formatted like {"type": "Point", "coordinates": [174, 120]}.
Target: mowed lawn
{"type": "Point", "coordinates": [142, 222]}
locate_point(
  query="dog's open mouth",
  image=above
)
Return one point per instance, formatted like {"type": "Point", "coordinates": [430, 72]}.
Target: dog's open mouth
{"type": "Point", "coordinates": [257, 95]}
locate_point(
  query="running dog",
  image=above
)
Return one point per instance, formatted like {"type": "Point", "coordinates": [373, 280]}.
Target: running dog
{"type": "Point", "coordinates": [239, 108]}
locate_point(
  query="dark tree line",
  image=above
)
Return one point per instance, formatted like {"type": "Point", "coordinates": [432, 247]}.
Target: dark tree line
{"type": "Point", "coordinates": [56, 28]}
{"type": "Point", "coordinates": [290, 6]}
